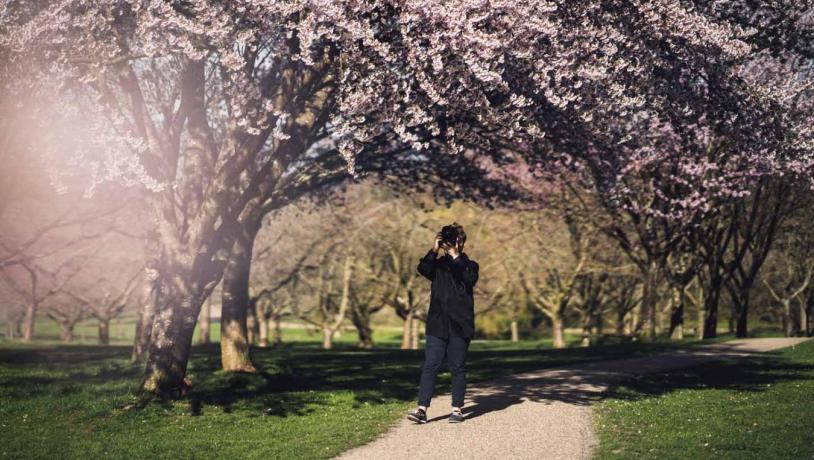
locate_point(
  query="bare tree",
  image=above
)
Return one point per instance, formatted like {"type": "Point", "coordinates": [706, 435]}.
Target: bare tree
{"type": "Point", "coordinates": [34, 285]}
{"type": "Point", "coordinates": [758, 221]}
{"type": "Point", "coordinates": [66, 312]}
{"type": "Point", "coordinates": [794, 286]}
{"type": "Point", "coordinates": [332, 298]}
{"type": "Point", "coordinates": [550, 279]}
{"type": "Point", "coordinates": [368, 294]}
{"type": "Point", "coordinates": [791, 267]}
{"type": "Point", "coordinates": [108, 300]}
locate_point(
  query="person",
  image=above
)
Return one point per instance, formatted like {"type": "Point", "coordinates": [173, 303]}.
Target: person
{"type": "Point", "coordinates": [450, 321]}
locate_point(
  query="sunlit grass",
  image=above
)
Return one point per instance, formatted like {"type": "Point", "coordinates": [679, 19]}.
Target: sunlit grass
{"type": "Point", "coordinates": [760, 408]}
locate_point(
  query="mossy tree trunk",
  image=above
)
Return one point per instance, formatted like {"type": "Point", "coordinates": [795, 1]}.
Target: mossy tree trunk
{"type": "Point", "coordinates": [171, 340]}
{"type": "Point", "coordinates": [234, 339]}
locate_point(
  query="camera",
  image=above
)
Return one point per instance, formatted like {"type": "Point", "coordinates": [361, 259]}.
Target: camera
{"type": "Point", "coordinates": [449, 235]}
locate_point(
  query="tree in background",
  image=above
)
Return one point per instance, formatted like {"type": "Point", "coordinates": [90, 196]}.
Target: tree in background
{"type": "Point", "coordinates": [550, 278]}
{"type": "Point", "coordinates": [109, 282]}
{"type": "Point", "coordinates": [41, 231]}
{"type": "Point", "coordinates": [35, 285]}
{"type": "Point", "coordinates": [283, 249]}
{"type": "Point", "coordinates": [67, 313]}
{"type": "Point", "coordinates": [791, 268]}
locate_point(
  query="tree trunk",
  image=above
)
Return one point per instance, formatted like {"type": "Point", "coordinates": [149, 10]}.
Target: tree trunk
{"type": "Point", "coordinates": [677, 315]}
{"type": "Point", "coordinates": [104, 331]}
{"type": "Point", "coordinates": [30, 319]}
{"type": "Point", "coordinates": [587, 322]}
{"type": "Point", "coordinates": [252, 325]}
{"type": "Point", "coordinates": [586, 336]}
{"type": "Point", "coordinates": [144, 323]}
{"type": "Point", "coordinates": [788, 321]}
{"type": "Point", "coordinates": [515, 332]}
{"type": "Point", "coordinates": [649, 300]}
{"type": "Point", "coordinates": [636, 322]}
{"type": "Point", "coordinates": [234, 340]}
{"type": "Point", "coordinates": [711, 306]}
{"type": "Point", "coordinates": [361, 320]}
{"type": "Point", "coordinates": [205, 321]}
{"type": "Point", "coordinates": [171, 341]}
{"type": "Point", "coordinates": [558, 330]}
{"type": "Point", "coordinates": [414, 333]}
{"type": "Point", "coordinates": [599, 325]}
{"type": "Point", "coordinates": [700, 315]}
{"type": "Point", "coordinates": [277, 331]}
{"type": "Point", "coordinates": [327, 338]}
{"type": "Point", "coordinates": [14, 325]}
{"type": "Point", "coordinates": [66, 332]}
{"type": "Point", "coordinates": [732, 317]}
{"type": "Point", "coordinates": [803, 318]}
{"type": "Point", "coordinates": [181, 290]}
{"type": "Point", "coordinates": [406, 331]}
{"type": "Point", "coordinates": [262, 329]}
{"type": "Point", "coordinates": [677, 323]}
{"type": "Point", "coordinates": [743, 317]}
{"type": "Point", "coordinates": [620, 322]}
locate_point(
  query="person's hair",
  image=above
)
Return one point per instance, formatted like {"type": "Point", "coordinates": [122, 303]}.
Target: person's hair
{"type": "Point", "coordinates": [450, 233]}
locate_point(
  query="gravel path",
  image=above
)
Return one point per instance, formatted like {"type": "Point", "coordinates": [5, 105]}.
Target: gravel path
{"type": "Point", "coordinates": [536, 415]}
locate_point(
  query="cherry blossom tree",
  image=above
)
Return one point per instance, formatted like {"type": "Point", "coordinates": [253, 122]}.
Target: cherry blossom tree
{"type": "Point", "coordinates": [217, 108]}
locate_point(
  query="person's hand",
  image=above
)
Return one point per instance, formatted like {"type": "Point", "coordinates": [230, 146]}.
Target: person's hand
{"type": "Point", "coordinates": [437, 245]}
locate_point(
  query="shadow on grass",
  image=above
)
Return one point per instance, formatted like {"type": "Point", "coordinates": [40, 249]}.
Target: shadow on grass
{"type": "Point", "coordinates": [63, 354]}
{"type": "Point", "coordinates": [298, 377]}
{"type": "Point", "coordinates": [752, 374]}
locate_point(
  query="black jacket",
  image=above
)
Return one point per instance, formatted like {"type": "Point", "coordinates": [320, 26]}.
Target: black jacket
{"type": "Point", "coordinates": [452, 303]}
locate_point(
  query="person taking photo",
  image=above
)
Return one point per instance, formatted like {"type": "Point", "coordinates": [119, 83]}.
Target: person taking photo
{"type": "Point", "coordinates": [450, 323]}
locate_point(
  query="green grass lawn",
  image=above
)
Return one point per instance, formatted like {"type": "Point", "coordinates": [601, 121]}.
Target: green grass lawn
{"type": "Point", "coordinates": [122, 330]}
{"type": "Point", "coordinates": [73, 401]}
{"type": "Point", "coordinates": [761, 407]}
{"type": "Point", "coordinates": [76, 400]}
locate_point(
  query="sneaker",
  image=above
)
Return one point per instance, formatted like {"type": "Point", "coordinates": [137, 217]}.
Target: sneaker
{"type": "Point", "coordinates": [456, 416]}
{"type": "Point", "coordinates": [417, 415]}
